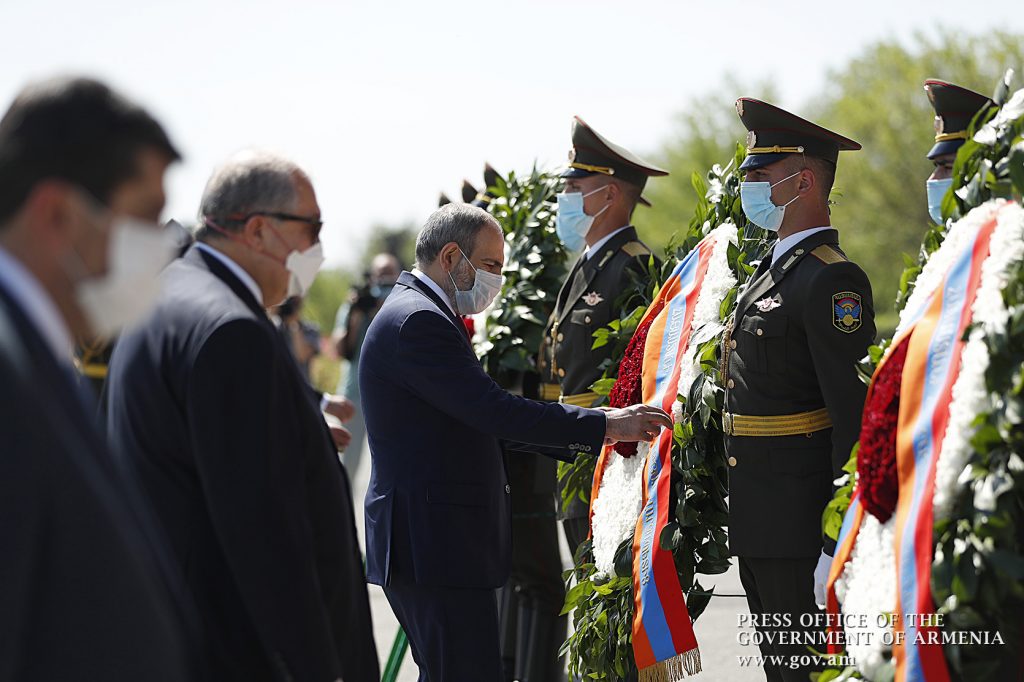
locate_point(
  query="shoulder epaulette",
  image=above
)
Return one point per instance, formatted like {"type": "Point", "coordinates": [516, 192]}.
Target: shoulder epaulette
{"type": "Point", "coordinates": [635, 249]}
{"type": "Point", "coordinates": [828, 255]}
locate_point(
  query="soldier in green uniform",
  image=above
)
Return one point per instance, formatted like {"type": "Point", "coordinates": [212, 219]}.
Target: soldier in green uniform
{"type": "Point", "coordinates": [793, 397]}
{"type": "Point", "coordinates": [954, 108]}
{"type": "Point", "coordinates": [603, 185]}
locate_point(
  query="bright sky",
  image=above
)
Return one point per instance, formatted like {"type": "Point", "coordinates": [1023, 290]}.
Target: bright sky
{"type": "Point", "coordinates": [388, 103]}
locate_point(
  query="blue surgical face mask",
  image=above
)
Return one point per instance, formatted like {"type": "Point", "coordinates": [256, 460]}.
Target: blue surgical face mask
{"type": "Point", "coordinates": [571, 223]}
{"type": "Point", "coordinates": [936, 192]}
{"type": "Point", "coordinates": [486, 286]}
{"type": "Point", "coordinates": [756, 198]}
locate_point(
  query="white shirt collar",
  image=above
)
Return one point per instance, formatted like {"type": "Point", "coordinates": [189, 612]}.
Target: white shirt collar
{"type": "Point", "coordinates": [235, 269]}
{"type": "Point", "coordinates": [792, 240]}
{"type": "Point", "coordinates": [37, 305]}
{"type": "Point", "coordinates": [425, 278]}
{"type": "Point", "coordinates": [604, 240]}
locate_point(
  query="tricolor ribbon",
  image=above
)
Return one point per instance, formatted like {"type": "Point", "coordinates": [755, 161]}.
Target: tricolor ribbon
{"type": "Point", "coordinates": [936, 339]}
{"type": "Point", "coordinates": [664, 645]}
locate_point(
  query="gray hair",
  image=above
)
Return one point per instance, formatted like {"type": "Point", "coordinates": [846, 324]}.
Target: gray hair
{"type": "Point", "coordinates": [459, 223]}
{"type": "Point", "coordinates": [245, 184]}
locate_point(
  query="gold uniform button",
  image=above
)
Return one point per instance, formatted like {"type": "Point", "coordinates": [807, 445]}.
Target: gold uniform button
{"type": "Point", "coordinates": [732, 344]}
{"type": "Point", "coordinates": [561, 372]}
{"type": "Point", "coordinates": [561, 337]}
{"type": "Point", "coordinates": [731, 384]}
{"type": "Point", "coordinates": [732, 461]}
{"type": "Point", "coordinates": [760, 332]}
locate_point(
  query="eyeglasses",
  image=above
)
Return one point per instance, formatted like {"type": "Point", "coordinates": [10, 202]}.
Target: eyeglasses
{"type": "Point", "coordinates": [315, 223]}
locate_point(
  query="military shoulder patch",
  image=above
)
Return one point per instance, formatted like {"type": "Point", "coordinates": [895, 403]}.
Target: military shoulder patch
{"type": "Point", "coordinates": [635, 249]}
{"type": "Point", "coordinates": [828, 255]}
{"type": "Point", "coordinates": [847, 312]}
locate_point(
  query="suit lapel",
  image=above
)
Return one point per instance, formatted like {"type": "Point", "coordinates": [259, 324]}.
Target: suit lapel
{"type": "Point", "coordinates": [413, 282]}
{"type": "Point", "coordinates": [201, 259]}
{"type": "Point", "coordinates": [578, 286]}
{"type": "Point", "coordinates": [765, 277]}
{"type": "Point", "coordinates": [768, 279]}
{"type": "Point", "coordinates": [586, 273]}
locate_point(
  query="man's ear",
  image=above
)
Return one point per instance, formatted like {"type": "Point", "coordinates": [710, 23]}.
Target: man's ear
{"type": "Point", "coordinates": [614, 192]}
{"type": "Point", "coordinates": [50, 205]}
{"type": "Point", "coordinates": [449, 256]}
{"type": "Point", "coordinates": [807, 181]}
{"type": "Point", "coordinates": [255, 233]}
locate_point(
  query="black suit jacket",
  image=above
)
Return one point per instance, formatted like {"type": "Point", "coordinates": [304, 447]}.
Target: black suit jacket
{"type": "Point", "coordinates": [82, 593]}
{"type": "Point", "coordinates": [231, 447]}
{"type": "Point", "coordinates": [791, 352]}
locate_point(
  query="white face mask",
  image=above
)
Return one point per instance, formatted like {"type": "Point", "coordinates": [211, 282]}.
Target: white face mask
{"type": "Point", "coordinates": [485, 288]}
{"type": "Point", "coordinates": [137, 252]}
{"type": "Point", "coordinates": [303, 266]}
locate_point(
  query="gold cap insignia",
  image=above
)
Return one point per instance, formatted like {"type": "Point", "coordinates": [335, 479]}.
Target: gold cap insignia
{"type": "Point", "coordinates": [751, 139]}
{"type": "Point", "coordinates": [939, 125]}
{"type": "Point", "coordinates": [572, 154]}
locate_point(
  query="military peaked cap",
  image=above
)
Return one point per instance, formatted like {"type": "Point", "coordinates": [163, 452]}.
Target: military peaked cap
{"type": "Point", "coordinates": [954, 108]}
{"type": "Point", "coordinates": [593, 154]}
{"type": "Point", "coordinates": [773, 133]}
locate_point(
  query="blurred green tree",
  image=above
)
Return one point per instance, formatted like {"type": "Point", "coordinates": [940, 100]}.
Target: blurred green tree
{"type": "Point", "coordinates": [325, 296]}
{"type": "Point", "coordinates": [878, 99]}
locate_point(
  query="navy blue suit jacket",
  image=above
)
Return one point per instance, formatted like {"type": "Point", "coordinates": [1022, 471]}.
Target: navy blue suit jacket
{"type": "Point", "coordinates": [438, 504]}
{"type": "Point", "coordinates": [232, 449]}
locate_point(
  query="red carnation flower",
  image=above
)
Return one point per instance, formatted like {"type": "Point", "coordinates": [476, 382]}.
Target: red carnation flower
{"type": "Point", "coordinates": [470, 324]}
{"type": "Point", "coordinates": [628, 387]}
{"type": "Point", "coordinates": [876, 458]}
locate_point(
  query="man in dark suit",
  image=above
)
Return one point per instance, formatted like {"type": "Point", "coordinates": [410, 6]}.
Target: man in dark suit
{"type": "Point", "coordinates": [84, 594]}
{"type": "Point", "coordinates": [437, 508]}
{"type": "Point", "coordinates": [793, 397]}
{"type": "Point", "coordinates": [231, 447]}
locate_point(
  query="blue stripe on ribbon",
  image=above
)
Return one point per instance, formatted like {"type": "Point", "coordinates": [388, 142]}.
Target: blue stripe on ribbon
{"type": "Point", "coordinates": [655, 624]}
{"type": "Point", "coordinates": [940, 360]}
{"type": "Point", "coordinates": [847, 526]}
{"type": "Point", "coordinates": [687, 273]}
{"type": "Point", "coordinates": [654, 621]}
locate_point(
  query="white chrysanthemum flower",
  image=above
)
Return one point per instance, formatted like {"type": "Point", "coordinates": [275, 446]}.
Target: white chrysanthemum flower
{"type": "Point", "coordinates": [970, 395]}
{"type": "Point", "coordinates": [868, 582]}
{"type": "Point", "coordinates": [618, 504]}
{"type": "Point", "coordinates": [867, 588]}
{"type": "Point", "coordinates": [620, 496]}
{"type": "Point", "coordinates": [719, 280]}
{"type": "Point", "coordinates": [938, 264]}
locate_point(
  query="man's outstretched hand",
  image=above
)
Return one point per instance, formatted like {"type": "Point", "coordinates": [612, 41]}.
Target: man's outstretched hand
{"type": "Point", "coordinates": [634, 423]}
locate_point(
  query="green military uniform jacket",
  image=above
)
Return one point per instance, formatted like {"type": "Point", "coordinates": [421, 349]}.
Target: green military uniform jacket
{"type": "Point", "coordinates": [595, 293]}
{"type": "Point", "coordinates": [799, 329]}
